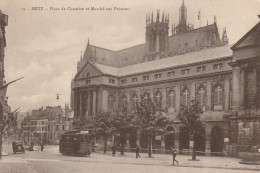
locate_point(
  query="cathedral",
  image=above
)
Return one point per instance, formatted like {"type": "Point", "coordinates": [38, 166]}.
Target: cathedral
{"type": "Point", "coordinates": [173, 69]}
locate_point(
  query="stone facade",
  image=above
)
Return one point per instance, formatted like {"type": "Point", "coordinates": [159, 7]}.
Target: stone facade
{"type": "Point", "coordinates": [204, 69]}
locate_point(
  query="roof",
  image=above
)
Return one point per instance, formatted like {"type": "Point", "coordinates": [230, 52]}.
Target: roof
{"type": "Point", "coordinates": [179, 43]}
{"type": "Point", "coordinates": [245, 36]}
{"type": "Point", "coordinates": [174, 61]}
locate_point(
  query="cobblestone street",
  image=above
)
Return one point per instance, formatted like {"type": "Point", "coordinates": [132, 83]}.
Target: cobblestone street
{"type": "Point", "coordinates": [50, 160]}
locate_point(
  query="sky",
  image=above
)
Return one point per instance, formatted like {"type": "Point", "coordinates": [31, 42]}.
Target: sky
{"type": "Point", "coordinates": [44, 46]}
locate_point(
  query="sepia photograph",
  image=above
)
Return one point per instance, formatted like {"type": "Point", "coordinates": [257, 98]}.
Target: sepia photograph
{"type": "Point", "coordinates": [129, 86]}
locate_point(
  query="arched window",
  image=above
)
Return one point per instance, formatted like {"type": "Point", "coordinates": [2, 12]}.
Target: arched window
{"type": "Point", "coordinates": [218, 97]}
{"type": "Point", "coordinates": [111, 102]}
{"type": "Point", "coordinates": [171, 99]}
{"type": "Point", "coordinates": [134, 100]}
{"type": "Point", "coordinates": [146, 96]}
{"type": "Point", "coordinates": [124, 101]}
{"type": "Point", "coordinates": [158, 99]}
{"type": "Point", "coordinates": [185, 95]}
{"type": "Point", "coordinates": [201, 96]}
{"type": "Point", "coordinates": [87, 74]}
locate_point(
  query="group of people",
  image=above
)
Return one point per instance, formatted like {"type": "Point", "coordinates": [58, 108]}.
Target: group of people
{"type": "Point", "coordinates": [137, 151]}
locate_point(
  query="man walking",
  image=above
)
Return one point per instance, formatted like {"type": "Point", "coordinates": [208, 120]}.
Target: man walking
{"type": "Point", "coordinates": [42, 146]}
{"type": "Point", "coordinates": [174, 154]}
{"type": "Point", "coordinates": [137, 150]}
{"type": "Point", "coordinates": [113, 150]}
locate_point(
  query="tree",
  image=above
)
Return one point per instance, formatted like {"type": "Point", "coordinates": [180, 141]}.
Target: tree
{"type": "Point", "coordinates": [190, 120]}
{"type": "Point", "coordinates": [98, 124]}
{"type": "Point", "coordinates": [150, 120]}
{"type": "Point", "coordinates": [120, 123]}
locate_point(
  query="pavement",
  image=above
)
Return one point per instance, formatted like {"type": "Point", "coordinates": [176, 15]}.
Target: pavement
{"type": "Point", "coordinates": [34, 161]}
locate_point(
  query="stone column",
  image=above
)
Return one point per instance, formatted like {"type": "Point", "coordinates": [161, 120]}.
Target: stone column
{"type": "Point", "coordinates": [208, 95]}
{"type": "Point", "coordinates": [88, 104]}
{"type": "Point", "coordinates": [164, 95]}
{"type": "Point", "coordinates": [193, 91]}
{"type": "Point", "coordinates": [80, 104]}
{"type": "Point", "coordinates": [255, 87]}
{"type": "Point", "coordinates": [94, 101]}
{"type": "Point", "coordinates": [242, 88]}
{"type": "Point", "coordinates": [162, 143]}
{"type": "Point", "coordinates": [258, 85]}
{"type": "Point", "coordinates": [236, 87]}
{"type": "Point", "coordinates": [208, 142]}
{"type": "Point", "coordinates": [226, 94]}
{"type": "Point", "coordinates": [104, 100]}
{"type": "Point", "coordinates": [178, 98]}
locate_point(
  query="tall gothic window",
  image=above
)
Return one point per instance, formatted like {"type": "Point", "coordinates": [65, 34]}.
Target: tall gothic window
{"type": "Point", "coordinates": [201, 96]}
{"type": "Point", "coordinates": [171, 99]}
{"type": "Point", "coordinates": [134, 100]}
{"type": "Point", "coordinates": [124, 101]}
{"type": "Point", "coordinates": [185, 95]}
{"type": "Point", "coordinates": [111, 101]}
{"type": "Point", "coordinates": [146, 96]}
{"type": "Point", "coordinates": [158, 99]}
{"type": "Point", "coordinates": [218, 97]}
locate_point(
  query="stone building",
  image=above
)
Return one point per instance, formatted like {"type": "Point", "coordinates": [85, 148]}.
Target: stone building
{"type": "Point", "coordinates": [172, 70]}
{"type": "Point", "coordinates": [46, 125]}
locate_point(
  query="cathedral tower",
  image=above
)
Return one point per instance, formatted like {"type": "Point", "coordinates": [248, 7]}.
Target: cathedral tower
{"type": "Point", "coordinates": [182, 26]}
{"type": "Point", "coordinates": [157, 42]}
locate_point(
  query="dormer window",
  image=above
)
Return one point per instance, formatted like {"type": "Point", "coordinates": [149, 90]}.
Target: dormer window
{"type": "Point", "coordinates": [217, 66]}
{"type": "Point", "coordinates": [134, 79]}
{"type": "Point", "coordinates": [171, 73]}
{"type": "Point", "coordinates": [185, 71]}
{"type": "Point", "coordinates": [145, 78]}
{"type": "Point", "coordinates": [158, 76]}
{"type": "Point", "coordinates": [112, 81]}
{"type": "Point", "coordinates": [123, 81]}
{"type": "Point", "coordinates": [201, 68]}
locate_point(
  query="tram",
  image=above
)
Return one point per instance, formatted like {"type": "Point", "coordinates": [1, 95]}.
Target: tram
{"type": "Point", "coordinates": [76, 143]}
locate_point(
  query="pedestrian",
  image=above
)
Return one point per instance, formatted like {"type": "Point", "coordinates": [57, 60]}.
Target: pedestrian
{"type": "Point", "coordinates": [137, 150]}
{"type": "Point", "coordinates": [42, 146]}
{"type": "Point", "coordinates": [113, 151]}
{"type": "Point", "coordinates": [174, 154]}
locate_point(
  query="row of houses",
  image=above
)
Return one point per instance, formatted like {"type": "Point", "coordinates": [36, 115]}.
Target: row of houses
{"type": "Point", "coordinates": [45, 125]}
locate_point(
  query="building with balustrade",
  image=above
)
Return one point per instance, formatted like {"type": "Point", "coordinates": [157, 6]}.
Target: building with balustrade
{"type": "Point", "coordinates": [174, 69]}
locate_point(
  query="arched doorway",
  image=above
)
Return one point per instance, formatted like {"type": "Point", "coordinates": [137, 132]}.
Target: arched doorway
{"type": "Point", "coordinates": [144, 141]}
{"type": "Point", "coordinates": [169, 138]}
{"type": "Point", "coordinates": [199, 140]}
{"type": "Point", "coordinates": [184, 139]}
{"type": "Point", "coordinates": [217, 139]}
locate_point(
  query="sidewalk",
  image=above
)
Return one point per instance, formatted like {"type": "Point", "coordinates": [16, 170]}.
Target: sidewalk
{"type": "Point", "coordinates": [166, 159]}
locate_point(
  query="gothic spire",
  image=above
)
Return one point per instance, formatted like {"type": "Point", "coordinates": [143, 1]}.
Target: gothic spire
{"type": "Point", "coordinates": [158, 16]}
{"type": "Point", "coordinates": [163, 17]}
{"type": "Point", "coordinates": [152, 17]}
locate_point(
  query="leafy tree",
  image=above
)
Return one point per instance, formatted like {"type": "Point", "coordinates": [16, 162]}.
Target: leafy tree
{"type": "Point", "coordinates": [150, 120]}
{"type": "Point", "coordinates": [99, 125]}
{"type": "Point", "coordinates": [120, 123]}
{"type": "Point", "coordinates": [10, 123]}
{"type": "Point", "coordinates": [190, 120]}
